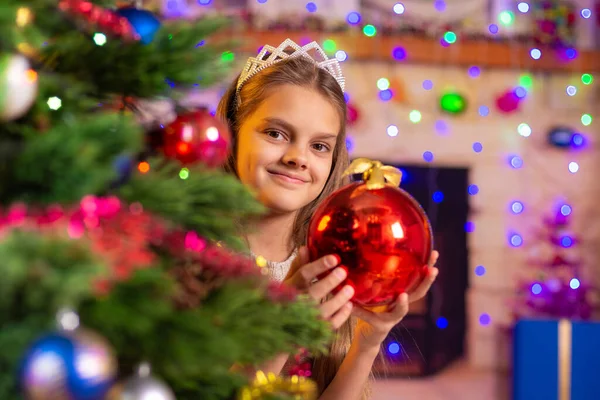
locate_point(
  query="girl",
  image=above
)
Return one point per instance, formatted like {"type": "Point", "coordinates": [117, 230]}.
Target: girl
{"type": "Point", "coordinates": [287, 115]}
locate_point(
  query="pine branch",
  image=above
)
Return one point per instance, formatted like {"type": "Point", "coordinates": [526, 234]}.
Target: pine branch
{"type": "Point", "coordinates": [70, 160]}
{"type": "Point", "coordinates": [208, 201]}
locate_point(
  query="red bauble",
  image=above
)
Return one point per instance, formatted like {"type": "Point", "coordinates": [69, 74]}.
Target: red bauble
{"type": "Point", "coordinates": [195, 137]}
{"type": "Point", "coordinates": [382, 236]}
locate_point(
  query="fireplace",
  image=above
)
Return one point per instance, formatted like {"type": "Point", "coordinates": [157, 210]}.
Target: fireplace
{"type": "Point", "coordinates": [433, 334]}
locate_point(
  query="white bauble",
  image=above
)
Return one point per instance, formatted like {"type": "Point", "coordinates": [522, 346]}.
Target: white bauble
{"type": "Point", "coordinates": [18, 86]}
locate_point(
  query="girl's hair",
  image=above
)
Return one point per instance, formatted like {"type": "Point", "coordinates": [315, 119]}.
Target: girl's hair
{"type": "Point", "coordinates": [234, 111]}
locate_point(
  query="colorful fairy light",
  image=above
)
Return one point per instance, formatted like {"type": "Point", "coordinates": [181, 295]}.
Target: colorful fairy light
{"type": "Point", "coordinates": [523, 7]}
{"type": "Point", "coordinates": [369, 30]}
{"type": "Point", "coordinates": [586, 119]}
{"type": "Point", "coordinates": [441, 323]}
{"type": "Point", "coordinates": [515, 162]}
{"type": "Point", "coordinates": [437, 196]}
{"type": "Point", "coordinates": [427, 84]}
{"type": "Point", "coordinates": [341, 55]}
{"type": "Point", "coordinates": [524, 130]}
{"type": "Point", "coordinates": [587, 79]}
{"type": "Point", "coordinates": [571, 90]}
{"type": "Point", "coordinates": [516, 207]}
{"type": "Point", "coordinates": [383, 83]}
{"type": "Point", "coordinates": [450, 37]}
{"type": "Point", "coordinates": [99, 39]}
{"type": "Point", "coordinates": [474, 71]}
{"type": "Point", "coordinates": [386, 95]}
{"type": "Point", "coordinates": [399, 53]}
{"type": "Point", "coordinates": [484, 111]}
{"type": "Point", "coordinates": [586, 13]}
{"type": "Point", "coordinates": [394, 348]}
{"type": "Point", "coordinates": [526, 81]}
{"type": "Point", "coordinates": [473, 189]}
{"type": "Point", "coordinates": [536, 54]}
{"type": "Point", "coordinates": [573, 167]}
{"type": "Point", "coordinates": [506, 18]}
{"type": "Point", "coordinates": [515, 240]}
{"type": "Point", "coordinates": [415, 116]}
{"type": "Point", "coordinates": [311, 7]}
{"type": "Point", "coordinates": [353, 18]}
{"type": "Point", "coordinates": [493, 29]}
{"type": "Point", "coordinates": [398, 8]}
{"type": "Point", "coordinates": [392, 130]}
{"type": "Point", "coordinates": [480, 270]}
{"type": "Point", "coordinates": [428, 156]}
{"type": "Point", "coordinates": [477, 147]}
{"type": "Point", "coordinates": [329, 45]}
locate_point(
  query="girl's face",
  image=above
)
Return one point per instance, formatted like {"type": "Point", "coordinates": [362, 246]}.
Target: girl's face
{"type": "Point", "coordinates": [285, 147]}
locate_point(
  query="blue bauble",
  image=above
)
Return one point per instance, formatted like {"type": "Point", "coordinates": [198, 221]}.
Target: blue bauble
{"type": "Point", "coordinates": [68, 365]}
{"type": "Point", "coordinates": [123, 165]}
{"type": "Point", "coordinates": [143, 22]}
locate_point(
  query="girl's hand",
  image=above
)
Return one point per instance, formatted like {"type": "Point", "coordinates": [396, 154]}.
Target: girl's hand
{"type": "Point", "coordinates": [302, 276]}
{"type": "Point", "coordinates": [373, 327]}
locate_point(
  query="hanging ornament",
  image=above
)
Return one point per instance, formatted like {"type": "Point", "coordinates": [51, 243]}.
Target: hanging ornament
{"type": "Point", "coordinates": [453, 103]}
{"type": "Point", "coordinates": [352, 114]}
{"type": "Point", "coordinates": [197, 136]}
{"type": "Point", "coordinates": [18, 86]}
{"type": "Point", "coordinates": [508, 102]}
{"type": "Point", "coordinates": [96, 17]}
{"type": "Point", "coordinates": [381, 234]}
{"type": "Point", "coordinates": [142, 386]}
{"type": "Point", "coordinates": [68, 364]}
{"type": "Point", "coordinates": [145, 23]}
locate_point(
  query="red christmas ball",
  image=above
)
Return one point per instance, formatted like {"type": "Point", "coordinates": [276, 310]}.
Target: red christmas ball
{"type": "Point", "coordinates": [197, 136]}
{"type": "Point", "coordinates": [382, 236]}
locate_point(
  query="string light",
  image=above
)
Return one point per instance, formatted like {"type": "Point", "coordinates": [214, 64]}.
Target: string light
{"type": "Point", "coordinates": [523, 7]}
{"type": "Point", "coordinates": [311, 7]}
{"type": "Point", "coordinates": [574, 283]}
{"type": "Point", "coordinates": [586, 119]}
{"type": "Point", "coordinates": [484, 111]}
{"type": "Point", "coordinates": [485, 319]}
{"type": "Point", "coordinates": [506, 18]}
{"type": "Point", "coordinates": [54, 103]}
{"type": "Point", "coordinates": [329, 45]}
{"type": "Point", "coordinates": [437, 196]}
{"type": "Point", "coordinates": [474, 71]}
{"type": "Point", "coordinates": [480, 270]}
{"type": "Point", "coordinates": [587, 79]}
{"type": "Point", "coordinates": [341, 55]}
{"type": "Point", "coordinates": [516, 207]}
{"type": "Point", "coordinates": [571, 90]}
{"type": "Point", "coordinates": [515, 161]}
{"type": "Point", "coordinates": [428, 156]}
{"type": "Point", "coordinates": [353, 18]}
{"type": "Point", "coordinates": [524, 130]}
{"type": "Point", "coordinates": [536, 288]}
{"type": "Point", "coordinates": [573, 167]}
{"type": "Point", "coordinates": [399, 8]}
{"type": "Point", "coordinates": [586, 13]}
{"type": "Point", "coordinates": [477, 147]}
{"type": "Point", "coordinates": [427, 84]}
{"type": "Point", "coordinates": [473, 189]}
{"type": "Point", "coordinates": [392, 130]}
{"type": "Point", "coordinates": [99, 39]}
{"type": "Point", "coordinates": [440, 5]}
{"type": "Point", "coordinates": [369, 30]}
{"type": "Point", "coordinates": [394, 348]}
{"type": "Point", "coordinates": [415, 116]}
{"type": "Point", "coordinates": [536, 54]}
{"type": "Point", "coordinates": [184, 173]}
{"type": "Point", "coordinates": [450, 37]}
{"type": "Point", "coordinates": [441, 323]}
{"type": "Point", "coordinates": [493, 29]}
{"type": "Point", "coordinates": [515, 240]}
{"type": "Point", "coordinates": [399, 53]}
{"type": "Point", "coordinates": [383, 83]}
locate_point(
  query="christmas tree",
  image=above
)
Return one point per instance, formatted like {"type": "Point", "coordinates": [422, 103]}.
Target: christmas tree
{"type": "Point", "coordinates": [120, 227]}
{"type": "Point", "coordinates": [555, 286]}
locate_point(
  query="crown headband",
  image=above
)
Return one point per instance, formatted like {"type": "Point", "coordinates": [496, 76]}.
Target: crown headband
{"type": "Point", "coordinates": [256, 64]}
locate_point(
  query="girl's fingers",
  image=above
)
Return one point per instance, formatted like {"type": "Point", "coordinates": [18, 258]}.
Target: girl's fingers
{"type": "Point", "coordinates": [400, 309]}
{"type": "Point", "coordinates": [323, 287]}
{"type": "Point", "coordinates": [341, 316]}
{"type": "Point", "coordinates": [333, 305]}
{"type": "Point", "coordinates": [424, 286]}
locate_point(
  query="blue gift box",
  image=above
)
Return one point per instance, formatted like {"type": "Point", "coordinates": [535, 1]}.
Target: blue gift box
{"type": "Point", "coordinates": [556, 360]}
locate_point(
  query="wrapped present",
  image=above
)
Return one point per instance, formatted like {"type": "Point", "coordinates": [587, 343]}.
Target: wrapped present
{"type": "Point", "coordinates": [556, 360]}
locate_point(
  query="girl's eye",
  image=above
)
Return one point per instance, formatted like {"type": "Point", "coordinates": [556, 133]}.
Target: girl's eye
{"type": "Point", "coordinates": [320, 147]}
{"type": "Point", "coordinates": [274, 134]}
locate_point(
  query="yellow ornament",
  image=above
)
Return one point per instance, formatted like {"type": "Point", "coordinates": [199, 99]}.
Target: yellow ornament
{"type": "Point", "coordinates": [270, 384]}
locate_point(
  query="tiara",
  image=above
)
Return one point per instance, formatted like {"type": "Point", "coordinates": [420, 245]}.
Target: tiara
{"type": "Point", "coordinates": [256, 64]}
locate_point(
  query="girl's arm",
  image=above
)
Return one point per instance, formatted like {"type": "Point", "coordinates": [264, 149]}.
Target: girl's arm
{"type": "Point", "coordinates": [351, 378]}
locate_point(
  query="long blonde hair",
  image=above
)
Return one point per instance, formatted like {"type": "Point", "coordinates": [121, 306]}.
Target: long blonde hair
{"type": "Point", "coordinates": [304, 73]}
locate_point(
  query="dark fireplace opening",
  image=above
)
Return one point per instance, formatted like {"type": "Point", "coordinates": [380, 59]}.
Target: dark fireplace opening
{"type": "Point", "coordinates": [433, 334]}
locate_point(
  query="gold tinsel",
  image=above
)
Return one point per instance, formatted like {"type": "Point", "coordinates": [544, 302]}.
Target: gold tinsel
{"type": "Point", "coordinates": [296, 387]}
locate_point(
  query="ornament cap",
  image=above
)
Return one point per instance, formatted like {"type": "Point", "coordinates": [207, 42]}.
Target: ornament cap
{"type": "Point", "coordinates": [375, 174]}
